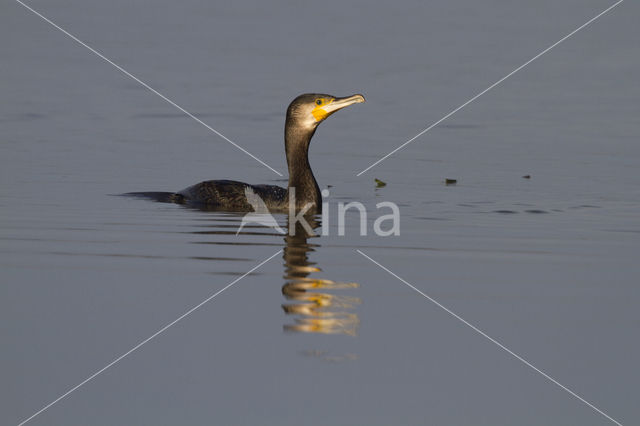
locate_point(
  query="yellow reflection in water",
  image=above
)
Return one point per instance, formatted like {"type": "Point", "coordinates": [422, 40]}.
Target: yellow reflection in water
{"type": "Point", "coordinates": [316, 304]}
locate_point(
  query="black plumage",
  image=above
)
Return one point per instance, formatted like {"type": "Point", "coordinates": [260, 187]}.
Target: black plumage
{"type": "Point", "coordinates": [303, 116]}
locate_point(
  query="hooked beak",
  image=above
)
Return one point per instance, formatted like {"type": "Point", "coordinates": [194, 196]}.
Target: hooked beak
{"type": "Point", "coordinates": [339, 103]}
{"type": "Point", "coordinates": [320, 113]}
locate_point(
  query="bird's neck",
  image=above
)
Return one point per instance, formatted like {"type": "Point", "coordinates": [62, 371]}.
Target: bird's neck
{"type": "Point", "coordinates": [300, 175]}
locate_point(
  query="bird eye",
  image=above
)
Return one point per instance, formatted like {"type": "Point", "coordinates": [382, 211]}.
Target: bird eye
{"type": "Point", "coordinates": [319, 102]}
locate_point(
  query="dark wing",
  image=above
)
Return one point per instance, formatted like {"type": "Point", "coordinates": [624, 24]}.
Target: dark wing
{"type": "Point", "coordinates": [231, 195]}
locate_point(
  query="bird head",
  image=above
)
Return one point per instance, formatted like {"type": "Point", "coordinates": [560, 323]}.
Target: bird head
{"type": "Point", "coordinates": [308, 110]}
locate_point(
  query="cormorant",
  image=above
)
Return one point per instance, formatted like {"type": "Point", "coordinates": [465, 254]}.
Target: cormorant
{"type": "Point", "coordinates": [303, 116]}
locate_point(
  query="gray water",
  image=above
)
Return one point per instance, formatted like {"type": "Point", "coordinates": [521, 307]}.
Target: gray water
{"type": "Point", "coordinates": [319, 335]}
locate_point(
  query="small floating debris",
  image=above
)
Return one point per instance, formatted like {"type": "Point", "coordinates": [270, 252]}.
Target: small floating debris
{"type": "Point", "coordinates": [450, 181]}
{"type": "Point", "coordinates": [380, 184]}
{"type": "Point", "coordinates": [526, 177]}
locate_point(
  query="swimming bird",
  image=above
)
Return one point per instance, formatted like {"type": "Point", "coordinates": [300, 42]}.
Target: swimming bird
{"type": "Point", "coordinates": [304, 114]}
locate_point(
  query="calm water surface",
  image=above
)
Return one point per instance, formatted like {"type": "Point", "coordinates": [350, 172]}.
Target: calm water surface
{"type": "Point", "coordinates": [319, 334]}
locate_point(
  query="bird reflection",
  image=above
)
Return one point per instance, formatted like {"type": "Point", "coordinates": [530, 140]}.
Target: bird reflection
{"type": "Point", "coordinates": [315, 304]}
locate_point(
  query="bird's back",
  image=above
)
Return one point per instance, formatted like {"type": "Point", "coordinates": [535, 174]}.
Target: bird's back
{"type": "Point", "coordinates": [231, 195]}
